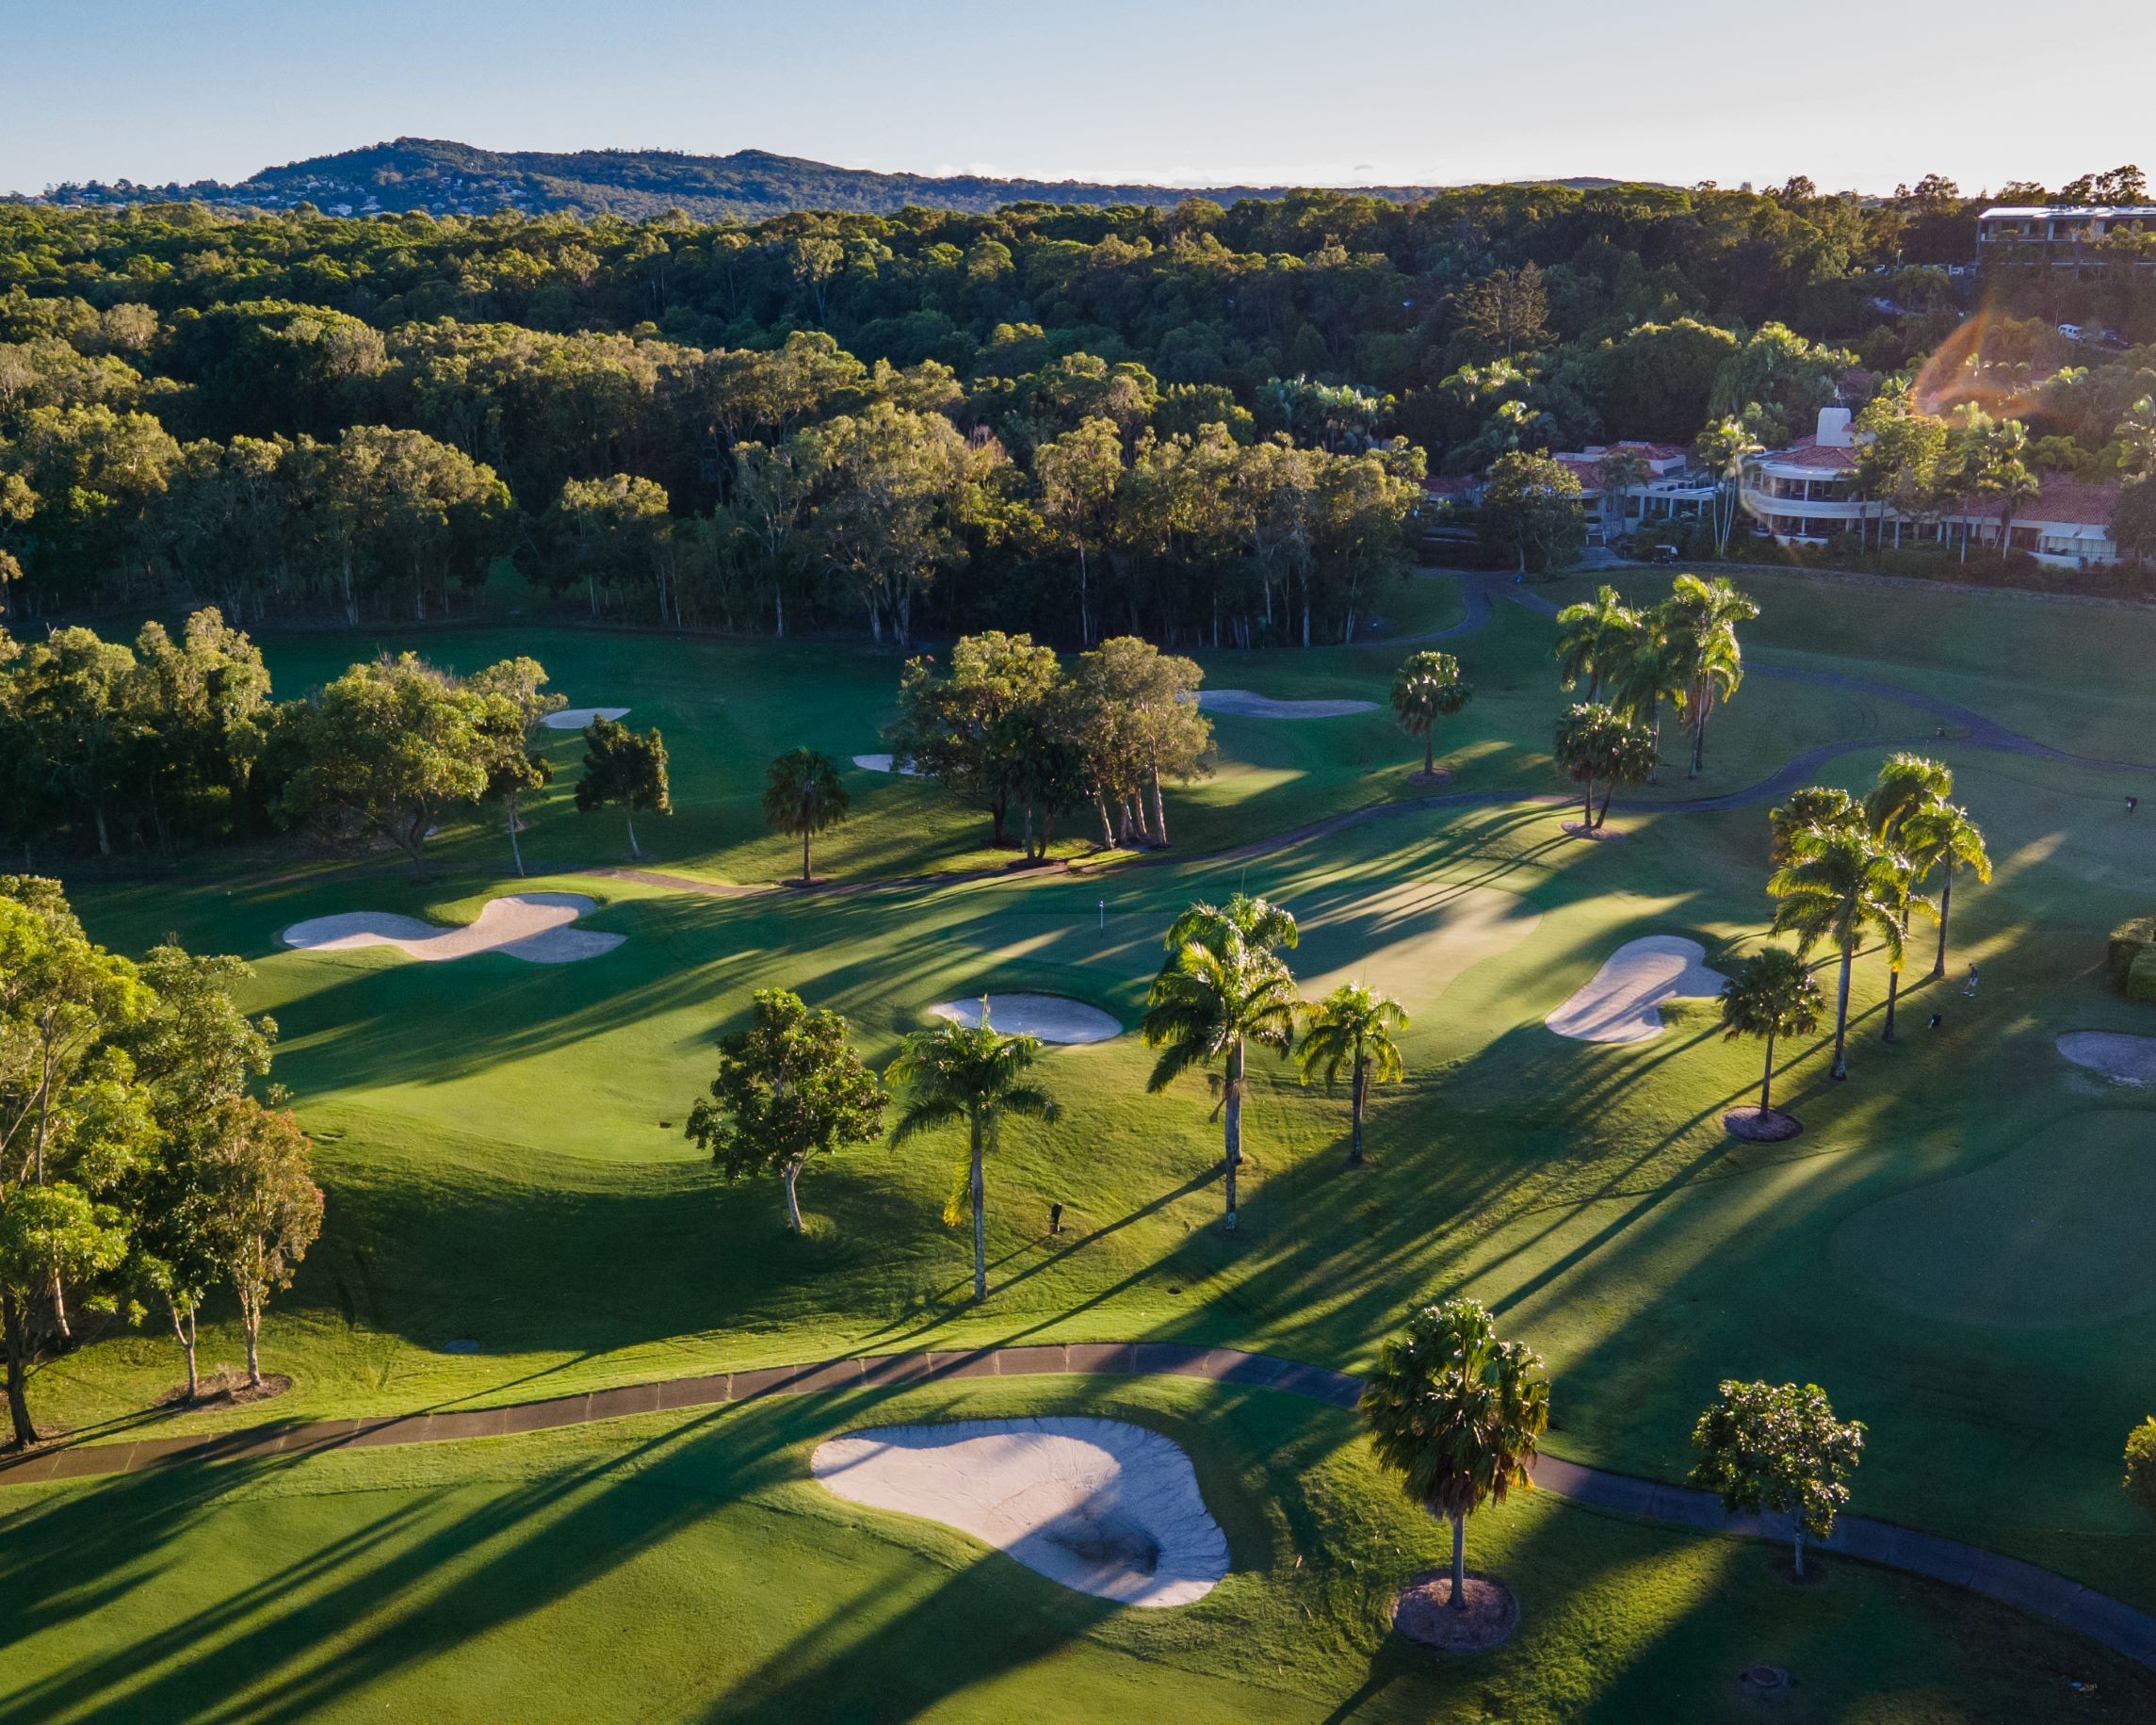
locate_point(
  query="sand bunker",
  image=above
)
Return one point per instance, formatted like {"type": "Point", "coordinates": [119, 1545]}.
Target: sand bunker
{"type": "Point", "coordinates": [884, 763]}
{"type": "Point", "coordinates": [2129, 1060]}
{"type": "Point", "coordinates": [1099, 1505]}
{"type": "Point", "coordinates": [2053, 1235]}
{"type": "Point", "coordinates": [1052, 1017]}
{"type": "Point", "coordinates": [533, 926]}
{"type": "Point", "coordinates": [577, 718]}
{"type": "Point", "coordinates": [1242, 704]}
{"type": "Point", "coordinates": [1622, 1002]}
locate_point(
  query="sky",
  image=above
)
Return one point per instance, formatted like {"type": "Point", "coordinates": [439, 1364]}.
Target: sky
{"type": "Point", "coordinates": [1170, 91]}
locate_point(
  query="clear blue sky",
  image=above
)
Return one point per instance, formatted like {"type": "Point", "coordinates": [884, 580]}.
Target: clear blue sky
{"type": "Point", "coordinates": [1855, 95]}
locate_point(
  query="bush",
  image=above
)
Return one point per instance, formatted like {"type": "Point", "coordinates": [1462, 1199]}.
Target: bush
{"type": "Point", "coordinates": [2141, 979]}
{"type": "Point", "coordinates": [2141, 1464]}
{"type": "Point", "coordinates": [2129, 941]}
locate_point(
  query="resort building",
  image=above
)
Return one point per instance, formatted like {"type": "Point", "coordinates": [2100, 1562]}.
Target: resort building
{"type": "Point", "coordinates": [1665, 484]}
{"type": "Point", "coordinates": [2066, 236]}
{"type": "Point", "coordinates": [1806, 494]}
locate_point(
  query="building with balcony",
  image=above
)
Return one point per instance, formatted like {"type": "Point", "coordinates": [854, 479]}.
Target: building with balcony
{"type": "Point", "coordinates": [1670, 487]}
{"type": "Point", "coordinates": [1808, 494]}
{"type": "Point", "coordinates": [2068, 237]}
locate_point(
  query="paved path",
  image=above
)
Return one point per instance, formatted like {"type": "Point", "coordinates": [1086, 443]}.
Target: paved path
{"type": "Point", "coordinates": [2116, 1624]}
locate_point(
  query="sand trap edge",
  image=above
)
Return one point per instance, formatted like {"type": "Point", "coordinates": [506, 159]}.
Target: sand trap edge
{"type": "Point", "coordinates": [1052, 1017]}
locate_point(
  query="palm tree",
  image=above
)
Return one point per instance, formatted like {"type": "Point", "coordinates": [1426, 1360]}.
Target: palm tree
{"type": "Point", "coordinates": [1222, 987]}
{"type": "Point", "coordinates": [1427, 688]}
{"type": "Point", "coordinates": [1456, 1413]}
{"type": "Point", "coordinates": [1941, 836]}
{"type": "Point", "coordinates": [1722, 449]}
{"type": "Point", "coordinates": [1594, 638]}
{"type": "Point", "coordinates": [1353, 1027]}
{"type": "Point", "coordinates": [802, 795]}
{"type": "Point", "coordinates": [1651, 671]}
{"type": "Point", "coordinates": [970, 1073]}
{"type": "Point", "coordinates": [1701, 620]}
{"type": "Point", "coordinates": [1618, 474]}
{"type": "Point", "coordinates": [1594, 743]}
{"type": "Point", "coordinates": [1822, 807]}
{"type": "Point", "coordinates": [1775, 995]}
{"type": "Point", "coordinates": [1838, 883]}
{"type": "Point", "coordinates": [1908, 784]}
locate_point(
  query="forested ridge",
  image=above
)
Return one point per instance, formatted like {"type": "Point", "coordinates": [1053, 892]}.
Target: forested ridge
{"type": "Point", "coordinates": [1201, 424]}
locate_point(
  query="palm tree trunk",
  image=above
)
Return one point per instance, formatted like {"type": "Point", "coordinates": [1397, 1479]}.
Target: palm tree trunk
{"type": "Point", "coordinates": [1355, 1133]}
{"type": "Point", "coordinates": [1893, 994]}
{"type": "Point", "coordinates": [1587, 808]}
{"type": "Point", "coordinates": [1946, 905]}
{"type": "Point", "coordinates": [1430, 752]}
{"type": "Point", "coordinates": [1459, 1599]}
{"type": "Point", "coordinates": [804, 857]}
{"type": "Point", "coordinates": [1841, 1015]}
{"type": "Point", "coordinates": [980, 1222]}
{"type": "Point", "coordinates": [1231, 1114]}
{"type": "Point", "coordinates": [1767, 1078]}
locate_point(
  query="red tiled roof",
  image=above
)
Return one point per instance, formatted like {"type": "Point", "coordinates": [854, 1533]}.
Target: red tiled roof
{"type": "Point", "coordinates": [1808, 452]}
{"type": "Point", "coordinates": [2063, 500]}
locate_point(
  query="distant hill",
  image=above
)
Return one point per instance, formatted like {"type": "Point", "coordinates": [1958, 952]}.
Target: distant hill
{"type": "Point", "coordinates": [457, 179]}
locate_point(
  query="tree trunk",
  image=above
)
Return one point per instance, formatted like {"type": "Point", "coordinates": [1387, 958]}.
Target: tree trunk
{"type": "Point", "coordinates": [1893, 994]}
{"type": "Point", "coordinates": [1159, 811]}
{"type": "Point", "coordinates": [1946, 905]}
{"type": "Point", "coordinates": [1106, 826]}
{"type": "Point", "coordinates": [804, 875]}
{"type": "Point", "coordinates": [1800, 1551]}
{"type": "Point", "coordinates": [1609, 790]}
{"type": "Point", "coordinates": [250, 1313]}
{"type": "Point", "coordinates": [103, 839]}
{"type": "Point", "coordinates": [184, 1328]}
{"type": "Point", "coordinates": [18, 1343]}
{"type": "Point", "coordinates": [1356, 1129]}
{"type": "Point", "coordinates": [1430, 752]}
{"type": "Point", "coordinates": [1842, 1015]}
{"type": "Point", "coordinates": [1231, 1116]}
{"type": "Point", "coordinates": [791, 1173]}
{"type": "Point", "coordinates": [1459, 1599]}
{"type": "Point", "coordinates": [515, 849]}
{"type": "Point", "coordinates": [60, 1299]}
{"type": "Point", "coordinates": [636, 852]}
{"type": "Point", "coordinates": [979, 1221]}
{"type": "Point", "coordinates": [1587, 806]}
{"type": "Point", "coordinates": [1767, 1078]}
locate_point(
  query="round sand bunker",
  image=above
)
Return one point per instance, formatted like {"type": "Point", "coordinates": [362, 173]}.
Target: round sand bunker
{"type": "Point", "coordinates": [1100, 1507]}
{"type": "Point", "coordinates": [1242, 704]}
{"type": "Point", "coordinates": [577, 718]}
{"type": "Point", "coordinates": [1622, 1002]}
{"type": "Point", "coordinates": [1052, 1017]}
{"type": "Point", "coordinates": [2128, 1060]}
{"type": "Point", "coordinates": [533, 926]}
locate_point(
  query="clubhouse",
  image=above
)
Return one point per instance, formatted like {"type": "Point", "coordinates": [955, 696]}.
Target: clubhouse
{"type": "Point", "coordinates": [1806, 494]}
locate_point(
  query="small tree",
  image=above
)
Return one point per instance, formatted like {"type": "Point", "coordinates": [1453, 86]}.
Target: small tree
{"type": "Point", "coordinates": [1596, 745]}
{"type": "Point", "coordinates": [802, 795]}
{"type": "Point", "coordinates": [1821, 806]}
{"type": "Point", "coordinates": [1530, 511]}
{"type": "Point", "coordinates": [2140, 1480]}
{"type": "Point", "coordinates": [264, 1208]}
{"type": "Point", "coordinates": [1774, 1447]}
{"type": "Point", "coordinates": [1772, 996]}
{"type": "Point", "coordinates": [1838, 884]}
{"type": "Point", "coordinates": [1428, 687]}
{"type": "Point", "coordinates": [621, 767]}
{"type": "Point", "coordinates": [1456, 1413]}
{"type": "Point", "coordinates": [969, 1073]}
{"type": "Point", "coordinates": [1353, 1027]}
{"type": "Point", "coordinates": [788, 1088]}
{"type": "Point", "coordinates": [511, 723]}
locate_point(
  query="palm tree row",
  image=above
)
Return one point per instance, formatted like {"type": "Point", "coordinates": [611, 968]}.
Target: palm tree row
{"type": "Point", "coordinates": [1682, 650]}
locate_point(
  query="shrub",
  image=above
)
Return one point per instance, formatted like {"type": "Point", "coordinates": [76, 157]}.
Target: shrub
{"type": "Point", "coordinates": [2128, 940]}
{"type": "Point", "coordinates": [2141, 979]}
{"type": "Point", "coordinates": [2141, 1464]}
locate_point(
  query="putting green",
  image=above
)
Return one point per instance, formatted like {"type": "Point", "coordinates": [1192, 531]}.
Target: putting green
{"type": "Point", "coordinates": [2053, 1235]}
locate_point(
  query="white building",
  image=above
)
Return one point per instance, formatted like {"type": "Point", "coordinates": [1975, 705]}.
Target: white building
{"type": "Point", "coordinates": [2066, 236]}
{"type": "Point", "coordinates": [1670, 487]}
{"type": "Point", "coordinates": [1806, 494]}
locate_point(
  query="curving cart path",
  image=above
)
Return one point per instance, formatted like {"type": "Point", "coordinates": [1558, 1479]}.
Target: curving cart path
{"type": "Point", "coordinates": [2113, 1622]}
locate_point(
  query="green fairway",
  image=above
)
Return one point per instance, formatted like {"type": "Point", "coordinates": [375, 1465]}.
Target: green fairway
{"type": "Point", "coordinates": [687, 1567]}
{"type": "Point", "coordinates": [501, 1147]}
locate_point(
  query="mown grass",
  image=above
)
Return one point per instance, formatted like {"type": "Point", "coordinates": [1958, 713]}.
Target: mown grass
{"type": "Point", "coordinates": [491, 1136]}
{"type": "Point", "coordinates": [687, 1566]}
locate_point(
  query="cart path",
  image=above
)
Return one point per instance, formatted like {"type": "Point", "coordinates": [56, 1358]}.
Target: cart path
{"type": "Point", "coordinates": [2109, 1621]}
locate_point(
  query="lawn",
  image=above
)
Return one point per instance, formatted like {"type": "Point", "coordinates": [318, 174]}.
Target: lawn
{"type": "Point", "coordinates": [501, 1149]}
{"type": "Point", "coordinates": [680, 1567]}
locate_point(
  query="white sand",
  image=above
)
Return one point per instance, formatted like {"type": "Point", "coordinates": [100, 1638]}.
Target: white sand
{"type": "Point", "coordinates": [884, 763]}
{"type": "Point", "coordinates": [533, 926]}
{"type": "Point", "coordinates": [577, 718]}
{"type": "Point", "coordinates": [1052, 1017]}
{"type": "Point", "coordinates": [1622, 1001]}
{"type": "Point", "coordinates": [1242, 704]}
{"type": "Point", "coordinates": [2129, 1060]}
{"type": "Point", "coordinates": [1099, 1505]}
